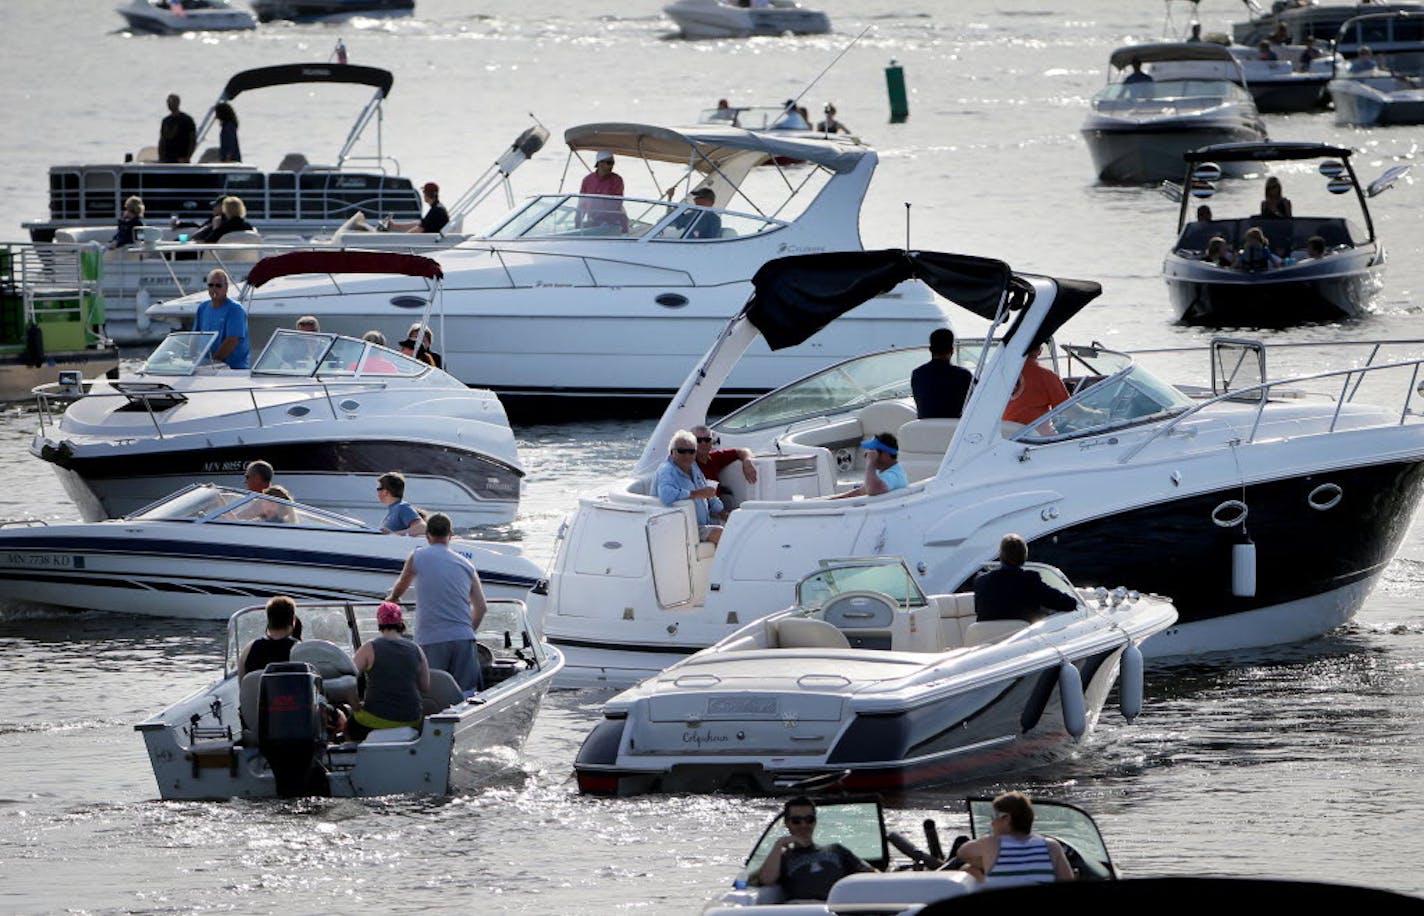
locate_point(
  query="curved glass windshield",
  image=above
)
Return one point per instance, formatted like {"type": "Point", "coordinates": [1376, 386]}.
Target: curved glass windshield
{"type": "Point", "coordinates": [888, 577]}
{"type": "Point", "coordinates": [1129, 398]}
{"type": "Point", "coordinates": [180, 353]}
{"type": "Point", "coordinates": [303, 353]}
{"type": "Point", "coordinates": [1171, 90]}
{"type": "Point", "coordinates": [598, 216]}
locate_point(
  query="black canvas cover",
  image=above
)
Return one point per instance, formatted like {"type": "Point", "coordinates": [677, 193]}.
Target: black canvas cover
{"type": "Point", "coordinates": [283, 74]}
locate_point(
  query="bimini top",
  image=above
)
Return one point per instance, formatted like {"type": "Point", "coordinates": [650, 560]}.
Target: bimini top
{"type": "Point", "coordinates": [707, 147]}
{"type": "Point", "coordinates": [795, 297]}
{"type": "Point", "coordinates": [284, 74]}
{"type": "Point", "coordinates": [1266, 152]}
{"type": "Point", "coordinates": [1169, 50]}
{"type": "Point", "coordinates": [343, 262]}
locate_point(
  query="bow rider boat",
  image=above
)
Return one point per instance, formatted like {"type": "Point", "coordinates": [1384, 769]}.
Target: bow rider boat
{"type": "Point", "coordinates": [720, 19]}
{"type": "Point", "coordinates": [207, 551]}
{"type": "Point", "coordinates": [266, 736]}
{"type": "Point", "coordinates": [868, 677]}
{"type": "Point", "coordinates": [1132, 481]}
{"type": "Point", "coordinates": [1138, 128]}
{"type": "Point", "coordinates": [595, 295]}
{"type": "Point", "coordinates": [1299, 280]}
{"type": "Point", "coordinates": [1392, 90]}
{"type": "Point", "coordinates": [173, 17]}
{"type": "Point", "coordinates": [329, 412]}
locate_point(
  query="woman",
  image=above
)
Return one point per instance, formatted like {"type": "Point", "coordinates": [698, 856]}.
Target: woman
{"type": "Point", "coordinates": [1275, 206]}
{"type": "Point", "coordinates": [234, 219]}
{"type": "Point", "coordinates": [276, 512]}
{"type": "Point", "coordinates": [228, 150]}
{"type": "Point", "coordinates": [1012, 854]}
{"type": "Point", "coordinates": [396, 676]}
{"type": "Point", "coordinates": [129, 220]}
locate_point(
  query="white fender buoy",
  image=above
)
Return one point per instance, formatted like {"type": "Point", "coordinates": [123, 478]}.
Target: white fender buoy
{"type": "Point", "coordinates": [1070, 694]}
{"type": "Point", "coordinates": [1243, 570]}
{"type": "Point", "coordinates": [1129, 683]}
{"type": "Point", "coordinates": [141, 304]}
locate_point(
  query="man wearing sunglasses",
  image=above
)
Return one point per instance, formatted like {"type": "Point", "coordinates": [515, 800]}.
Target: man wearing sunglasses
{"type": "Point", "coordinates": [679, 478]}
{"type": "Point", "coordinates": [226, 317]}
{"type": "Point", "coordinates": [712, 461]}
{"type": "Point", "coordinates": [804, 870]}
{"type": "Point", "coordinates": [1012, 854]}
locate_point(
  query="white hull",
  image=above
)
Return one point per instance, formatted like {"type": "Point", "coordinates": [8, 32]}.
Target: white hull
{"type": "Point", "coordinates": [143, 16]}
{"type": "Point", "coordinates": [700, 19]}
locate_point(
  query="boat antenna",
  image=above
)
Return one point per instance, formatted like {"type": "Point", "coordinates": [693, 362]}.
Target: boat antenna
{"type": "Point", "coordinates": [907, 225]}
{"type": "Point", "coordinates": [811, 85]}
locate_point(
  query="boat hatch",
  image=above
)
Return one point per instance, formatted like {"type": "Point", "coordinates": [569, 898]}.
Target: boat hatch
{"type": "Point", "coordinates": [147, 396]}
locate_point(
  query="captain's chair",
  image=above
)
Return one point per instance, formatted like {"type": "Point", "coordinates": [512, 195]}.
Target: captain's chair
{"type": "Point", "coordinates": [809, 633]}
{"type": "Point", "coordinates": [335, 667]}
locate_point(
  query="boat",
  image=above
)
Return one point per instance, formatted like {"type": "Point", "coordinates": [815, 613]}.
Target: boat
{"type": "Point", "coordinates": [206, 551]}
{"type": "Point", "coordinates": [266, 737]}
{"type": "Point", "coordinates": [1392, 91]}
{"type": "Point", "coordinates": [173, 17]}
{"type": "Point", "coordinates": [1138, 131]}
{"type": "Point", "coordinates": [1323, 22]}
{"type": "Point", "coordinates": [867, 683]}
{"type": "Point", "coordinates": [328, 10]}
{"type": "Point", "coordinates": [698, 19]}
{"type": "Point", "coordinates": [297, 200]}
{"type": "Point", "coordinates": [541, 307]}
{"type": "Point", "coordinates": [329, 412]}
{"type": "Point", "coordinates": [1341, 283]}
{"type": "Point", "coordinates": [1132, 481]}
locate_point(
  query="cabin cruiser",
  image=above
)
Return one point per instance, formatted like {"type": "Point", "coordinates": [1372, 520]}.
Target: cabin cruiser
{"type": "Point", "coordinates": [327, 10]}
{"type": "Point", "coordinates": [1319, 21]}
{"type": "Point", "coordinates": [1132, 481]}
{"type": "Point", "coordinates": [869, 683]}
{"type": "Point", "coordinates": [1391, 91]}
{"type": "Point", "coordinates": [721, 19]}
{"type": "Point", "coordinates": [329, 412]}
{"type": "Point", "coordinates": [1138, 130]}
{"type": "Point", "coordinates": [173, 17]}
{"type": "Point", "coordinates": [1339, 282]}
{"type": "Point", "coordinates": [267, 736]}
{"type": "Point", "coordinates": [558, 301]}
{"type": "Point", "coordinates": [206, 551]}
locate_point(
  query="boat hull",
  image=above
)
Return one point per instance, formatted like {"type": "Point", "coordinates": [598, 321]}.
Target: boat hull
{"type": "Point", "coordinates": [1308, 291]}
{"type": "Point", "coordinates": [1362, 107]}
{"type": "Point", "coordinates": [326, 10]}
{"type": "Point", "coordinates": [1154, 153]}
{"type": "Point", "coordinates": [716, 20]}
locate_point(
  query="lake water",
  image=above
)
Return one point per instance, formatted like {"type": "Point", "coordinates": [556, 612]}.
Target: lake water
{"type": "Point", "coordinates": [1304, 762]}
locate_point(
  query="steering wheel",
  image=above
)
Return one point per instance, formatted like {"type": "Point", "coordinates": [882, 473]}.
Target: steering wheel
{"type": "Point", "coordinates": [1082, 868]}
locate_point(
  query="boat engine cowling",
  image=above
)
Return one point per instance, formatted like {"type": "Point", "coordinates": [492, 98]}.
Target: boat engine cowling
{"type": "Point", "coordinates": [291, 729]}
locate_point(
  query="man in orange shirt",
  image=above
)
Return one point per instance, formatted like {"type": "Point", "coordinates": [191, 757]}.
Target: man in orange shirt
{"type": "Point", "coordinates": [1038, 391]}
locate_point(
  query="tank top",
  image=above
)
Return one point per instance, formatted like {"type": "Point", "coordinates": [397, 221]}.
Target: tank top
{"type": "Point", "coordinates": [265, 650]}
{"type": "Point", "coordinates": [1025, 861]}
{"type": "Point", "coordinates": [392, 691]}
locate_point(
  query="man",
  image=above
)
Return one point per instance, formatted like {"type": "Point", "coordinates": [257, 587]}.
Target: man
{"type": "Point", "coordinates": [257, 477]}
{"type": "Point", "coordinates": [830, 125]}
{"type": "Point", "coordinates": [435, 218]}
{"type": "Point", "coordinates": [277, 645]}
{"type": "Point", "coordinates": [883, 471]}
{"type": "Point", "coordinates": [450, 605]}
{"type": "Point", "coordinates": [177, 135]}
{"type": "Point", "coordinates": [700, 223]}
{"type": "Point", "coordinates": [804, 870]}
{"type": "Point", "coordinates": [401, 516]}
{"type": "Point", "coordinates": [940, 387]}
{"type": "Point", "coordinates": [1037, 391]}
{"type": "Point", "coordinates": [1136, 76]}
{"type": "Point", "coordinates": [1012, 854]}
{"type": "Point", "coordinates": [595, 212]}
{"type": "Point", "coordinates": [426, 336]}
{"type": "Point", "coordinates": [396, 673]}
{"type": "Point", "coordinates": [226, 317]}
{"type": "Point", "coordinates": [711, 461]}
{"type": "Point", "coordinates": [679, 478]}
{"type": "Point", "coordinates": [1014, 593]}
{"type": "Point", "coordinates": [309, 323]}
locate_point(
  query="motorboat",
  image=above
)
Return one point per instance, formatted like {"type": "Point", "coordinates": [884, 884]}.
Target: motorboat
{"type": "Point", "coordinates": [1392, 91]}
{"type": "Point", "coordinates": [551, 303]}
{"type": "Point", "coordinates": [329, 412]}
{"type": "Point", "coordinates": [1340, 283]}
{"type": "Point", "coordinates": [721, 19]}
{"type": "Point", "coordinates": [869, 683]}
{"type": "Point", "coordinates": [206, 551]}
{"type": "Point", "coordinates": [1277, 86]}
{"type": "Point", "coordinates": [1319, 21]}
{"type": "Point", "coordinates": [298, 199]}
{"type": "Point", "coordinates": [173, 17]}
{"type": "Point", "coordinates": [1137, 131]}
{"type": "Point", "coordinates": [1132, 481]}
{"type": "Point", "coordinates": [266, 736]}
{"type": "Point", "coordinates": [327, 10]}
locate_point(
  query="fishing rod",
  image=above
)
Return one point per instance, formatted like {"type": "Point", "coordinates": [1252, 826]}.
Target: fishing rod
{"type": "Point", "coordinates": [844, 51]}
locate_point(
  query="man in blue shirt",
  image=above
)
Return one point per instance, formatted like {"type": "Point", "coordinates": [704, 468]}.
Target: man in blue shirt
{"type": "Point", "coordinates": [449, 605]}
{"type": "Point", "coordinates": [883, 472]}
{"type": "Point", "coordinates": [679, 478]}
{"type": "Point", "coordinates": [226, 317]}
{"type": "Point", "coordinates": [401, 516]}
{"type": "Point", "coordinates": [700, 224]}
{"type": "Point", "coordinates": [940, 387]}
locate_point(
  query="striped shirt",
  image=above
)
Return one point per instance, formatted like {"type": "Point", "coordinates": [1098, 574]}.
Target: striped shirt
{"type": "Point", "coordinates": [1025, 861]}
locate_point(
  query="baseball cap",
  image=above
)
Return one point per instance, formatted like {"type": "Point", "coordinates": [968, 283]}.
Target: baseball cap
{"type": "Point", "coordinates": [877, 445]}
{"type": "Point", "coordinates": [389, 614]}
{"type": "Point", "coordinates": [602, 155]}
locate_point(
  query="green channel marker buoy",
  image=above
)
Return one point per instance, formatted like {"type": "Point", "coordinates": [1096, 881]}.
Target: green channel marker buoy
{"type": "Point", "coordinates": [895, 85]}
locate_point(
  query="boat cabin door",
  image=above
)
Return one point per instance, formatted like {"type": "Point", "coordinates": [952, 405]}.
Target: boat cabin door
{"type": "Point", "coordinates": [1237, 364]}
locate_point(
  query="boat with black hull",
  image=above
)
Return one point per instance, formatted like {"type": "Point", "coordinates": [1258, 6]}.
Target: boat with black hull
{"type": "Point", "coordinates": [328, 10]}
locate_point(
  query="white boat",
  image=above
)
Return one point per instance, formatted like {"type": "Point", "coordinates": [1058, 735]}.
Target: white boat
{"type": "Point", "coordinates": [1340, 284]}
{"type": "Point", "coordinates": [330, 413]}
{"type": "Point", "coordinates": [1392, 91]}
{"type": "Point", "coordinates": [266, 737]}
{"type": "Point", "coordinates": [1320, 21]}
{"type": "Point", "coordinates": [867, 683]}
{"type": "Point", "coordinates": [173, 17]}
{"type": "Point", "coordinates": [1138, 131]}
{"type": "Point", "coordinates": [1131, 481]}
{"type": "Point", "coordinates": [207, 551]}
{"type": "Point", "coordinates": [544, 306]}
{"type": "Point", "coordinates": [1276, 86]}
{"type": "Point", "coordinates": [721, 19]}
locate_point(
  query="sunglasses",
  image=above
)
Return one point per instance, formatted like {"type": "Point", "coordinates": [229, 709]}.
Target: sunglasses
{"type": "Point", "coordinates": [380, 489]}
{"type": "Point", "coordinates": [800, 818]}
{"type": "Point", "coordinates": [705, 439]}
{"type": "Point", "coordinates": [216, 285]}
{"type": "Point", "coordinates": [686, 451]}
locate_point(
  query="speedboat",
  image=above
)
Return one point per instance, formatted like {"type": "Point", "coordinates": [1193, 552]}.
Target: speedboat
{"type": "Point", "coordinates": [173, 17]}
{"type": "Point", "coordinates": [1392, 91]}
{"type": "Point", "coordinates": [329, 412]}
{"type": "Point", "coordinates": [1340, 283]}
{"type": "Point", "coordinates": [206, 551]}
{"type": "Point", "coordinates": [550, 304]}
{"type": "Point", "coordinates": [267, 736]}
{"type": "Point", "coordinates": [721, 19]}
{"type": "Point", "coordinates": [1138, 131]}
{"type": "Point", "coordinates": [1131, 481]}
{"type": "Point", "coordinates": [327, 10]}
{"type": "Point", "coordinates": [869, 683]}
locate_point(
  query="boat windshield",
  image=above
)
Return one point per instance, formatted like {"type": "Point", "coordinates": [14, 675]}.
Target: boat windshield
{"type": "Point", "coordinates": [261, 509]}
{"type": "Point", "coordinates": [889, 577]}
{"type": "Point", "coordinates": [191, 503]}
{"type": "Point", "coordinates": [1165, 90]}
{"type": "Point", "coordinates": [857, 824]}
{"type": "Point", "coordinates": [1130, 397]}
{"type": "Point", "coordinates": [755, 117]}
{"type": "Point", "coordinates": [180, 353]}
{"type": "Point", "coordinates": [1054, 819]}
{"type": "Point", "coordinates": [566, 216]}
{"type": "Point", "coordinates": [302, 354]}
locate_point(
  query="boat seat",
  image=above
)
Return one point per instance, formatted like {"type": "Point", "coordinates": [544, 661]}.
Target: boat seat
{"type": "Point", "coordinates": [956, 614]}
{"type": "Point", "coordinates": [81, 235]}
{"type": "Point", "coordinates": [249, 692]}
{"type": "Point", "coordinates": [808, 633]}
{"type": "Point", "coordinates": [884, 417]}
{"type": "Point", "coordinates": [211, 154]}
{"type": "Point", "coordinates": [987, 631]}
{"type": "Point", "coordinates": [244, 244]}
{"type": "Point", "coordinates": [293, 162]}
{"type": "Point", "coordinates": [727, 233]}
{"type": "Point", "coordinates": [443, 693]}
{"type": "Point", "coordinates": [333, 665]}
{"type": "Point", "coordinates": [146, 154]}
{"type": "Point", "coordinates": [923, 444]}
{"type": "Point", "coordinates": [392, 735]}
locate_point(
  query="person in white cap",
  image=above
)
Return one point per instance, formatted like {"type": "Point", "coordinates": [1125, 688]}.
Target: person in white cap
{"type": "Point", "coordinates": [602, 212]}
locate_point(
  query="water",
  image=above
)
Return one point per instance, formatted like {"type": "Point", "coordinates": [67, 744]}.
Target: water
{"type": "Point", "coordinates": [1268, 765]}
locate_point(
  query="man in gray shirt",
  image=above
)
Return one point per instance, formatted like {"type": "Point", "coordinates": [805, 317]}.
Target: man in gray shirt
{"type": "Point", "coordinates": [449, 605]}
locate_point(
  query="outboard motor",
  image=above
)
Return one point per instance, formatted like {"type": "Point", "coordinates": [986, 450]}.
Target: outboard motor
{"type": "Point", "coordinates": [291, 731]}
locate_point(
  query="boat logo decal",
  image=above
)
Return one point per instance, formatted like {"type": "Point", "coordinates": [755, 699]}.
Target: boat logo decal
{"type": "Point", "coordinates": [733, 706]}
{"type": "Point", "coordinates": [706, 736]}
